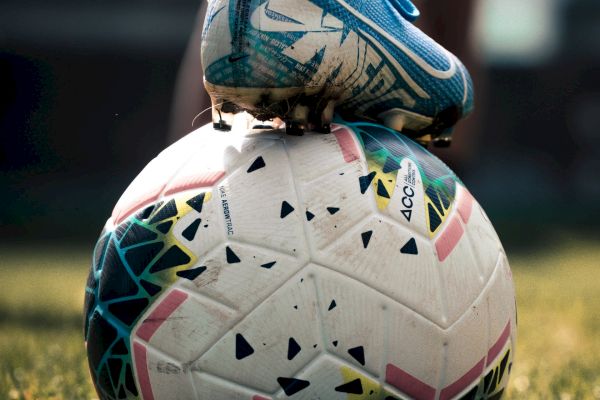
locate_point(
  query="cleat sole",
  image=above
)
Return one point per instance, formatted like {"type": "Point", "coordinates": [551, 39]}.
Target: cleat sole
{"type": "Point", "coordinates": [305, 108]}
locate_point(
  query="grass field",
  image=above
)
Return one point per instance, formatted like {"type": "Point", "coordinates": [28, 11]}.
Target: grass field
{"type": "Point", "coordinates": [558, 353]}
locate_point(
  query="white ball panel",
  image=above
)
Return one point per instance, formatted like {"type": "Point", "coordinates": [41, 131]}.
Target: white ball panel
{"type": "Point", "coordinates": [353, 320]}
{"type": "Point", "coordinates": [461, 279]}
{"type": "Point", "coordinates": [214, 388]}
{"type": "Point", "coordinates": [192, 328]}
{"type": "Point", "coordinates": [467, 341]}
{"type": "Point", "coordinates": [414, 345]}
{"type": "Point", "coordinates": [289, 313]}
{"type": "Point", "coordinates": [170, 379]}
{"type": "Point", "coordinates": [500, 310]}
{"type": "Point", "coordinates": [337, 205]}
{"type": "Point", "coordinates": [211, 230]}
{"type": "Point", "coordinates": [255, 202]}
{"type": "Point", "coordinates": [484, 241]}
{"type": "Point", "coordinates": [311, 155]}
{"type": "Point", "coordinates": [327, 373]}
{"type": "Point", "coordinates": [242, 285]}
{"type": "Point", "coordinates": [411, 279]}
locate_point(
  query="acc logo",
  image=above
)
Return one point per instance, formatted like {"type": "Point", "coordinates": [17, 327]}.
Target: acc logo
{"type": "Point", "coordinates": [407, 202]}
{"type": "Point", "coordinates": [408, 192]}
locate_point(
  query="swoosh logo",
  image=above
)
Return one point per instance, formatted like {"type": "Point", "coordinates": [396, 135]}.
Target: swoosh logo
{"type": "Point", "coordinates": [437, 73]}
{"type": "Point", "coordinates": [270, 17]}
{"type": "Point", "coordinates": [233, 59]}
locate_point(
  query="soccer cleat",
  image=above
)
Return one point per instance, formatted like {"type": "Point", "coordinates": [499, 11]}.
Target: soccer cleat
{"type": "Point", "coordinates": [299, 60]}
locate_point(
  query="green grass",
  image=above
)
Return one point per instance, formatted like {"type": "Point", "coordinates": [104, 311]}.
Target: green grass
{"type": "Point", "coordinates": [42, 354]}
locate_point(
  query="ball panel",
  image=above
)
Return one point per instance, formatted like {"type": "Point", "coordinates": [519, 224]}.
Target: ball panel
{"type": "Point", "coordinates": [264, 345]}
{"type": "Point", "coordinates": [241, 276]}
{"type": "Point", "coordinates": [150, 183]}
{"type": "Point", "coordinates": [311, 155]}
{"type": "Point", "coordinates": [170, 379]}
{"type": "Point", "coordinates": [214, 388]}
{"type": "Point", "coordinates": [202, 228]}
{"type": "Point", "coordinates": [460, 273]}
{"type": "Point", "coordinates": [336, 203]}
{"type": "Point", "coordinates": [354, 320]}
{"type": "Point", "coordinates": [414, 352]}
{"type": "Point", "coordinates": [395, 262]}
{"type": "Point", "coordinates": [261, 206]}
{"type": "Point", "coordinates": [466, 348]}
{"type": "Point", "coordinates": [483, 241]}
{"type": "Point", "coordinates": [501, 311]}
{"type": "Point", "coordinates": [190, 329]}
{"type": "Point", "coordinates": [328, 377]}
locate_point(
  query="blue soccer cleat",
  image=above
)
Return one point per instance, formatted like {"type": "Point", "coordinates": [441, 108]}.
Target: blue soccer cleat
{"type": "Point", "coordinates": [301, 60]}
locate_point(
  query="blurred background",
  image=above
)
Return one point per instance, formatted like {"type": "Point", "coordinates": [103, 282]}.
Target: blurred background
{"type": "Point", "coordinates": [86, 94]}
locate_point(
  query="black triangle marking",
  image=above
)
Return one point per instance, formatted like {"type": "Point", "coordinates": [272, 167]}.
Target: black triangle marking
{"type": "Point", "coordinates": [365, 181]}
{"type": "Point", "coordinates": [114, 368]}
{"type": "Point", "coordinates": [151, 288]}
{"type": "Point", "coordinates": [169, 210]}
{"type": "Point", "coordinates": [164, 227]}
{"type": "Point", "coordinates": [286, 209]}
{"type": "Point", "coordinates": [269, 265]}
{"type": "Point", "coordinates": [129, 381]}
{"type": "Point", "coordinates": [354, 387]}
{"type": "Point", "coordinates": [257, 164]}
{"type": "Point", "coordinates": [407, 214]}
{"type": "Point", "coordinates": [358, 353]}
{"type": "Point", "coordinates": [332, 305]}
{"type": "Point", "coordinates": [127, 311]}
{"type": "Point", "coordinates": [191, 274]}
{"type": "Point", "coordinates": [293, 348]}
{"type": "Point", "coordinates": [390, 165]}
{"type": "Point", "coordinates": [197, 202]}
{"type": "Point", "coordinates": [190, 232]}
{"type": "Point", "coordinates": [120, 349]}
{"type": "Point", "coordinates": [366, 238]}
{"type": "Point", "coordinates": [292, 386]}
{"type": "Point", "coordinates": [232, 258]}
{"type": "Point", "coordinates": [145, 214]}
{"type": "Point", "coordinates": [503, 365]}
{"type": "Point", "coordinates": [243, 349]}
{"type": "Point", "coordinates": [487, 380]}
{"type": "Point", "coordinates": [410, 247]}
{"type": "Point", "coordinates": [171, 258]}
{"type": "Point", "coordinates": [381, 190]}
{"type": "Point", "coordinates": [495, 382]}
{"type": "Point", "coordinates": [332, 210]}
{"type": "Point", "coordinates": [309, 216]}
{"type": "Point", "coordinates": [335, 343]}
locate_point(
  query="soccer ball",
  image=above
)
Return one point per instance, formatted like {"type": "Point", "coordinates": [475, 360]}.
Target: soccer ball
{"type": "Point", "coordinates": [254, 265]}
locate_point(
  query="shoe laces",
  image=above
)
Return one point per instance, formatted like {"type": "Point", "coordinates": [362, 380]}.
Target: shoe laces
{"type": "Point", "coordinates": [407, 9]}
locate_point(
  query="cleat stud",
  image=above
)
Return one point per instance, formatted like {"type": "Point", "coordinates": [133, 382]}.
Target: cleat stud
{"type": "Point", "coordinates": [223, 113]}
{"type": "Point", "coordinates": [327, 114]}
{"type": "Point", "coordinates": [299, 114]}
{"type": "Point", "coordinates": [325, 128]}
{"type": "Point", "coordinates": [293, 128]}
{"type": "Point", "coordinates": [442, 142]}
